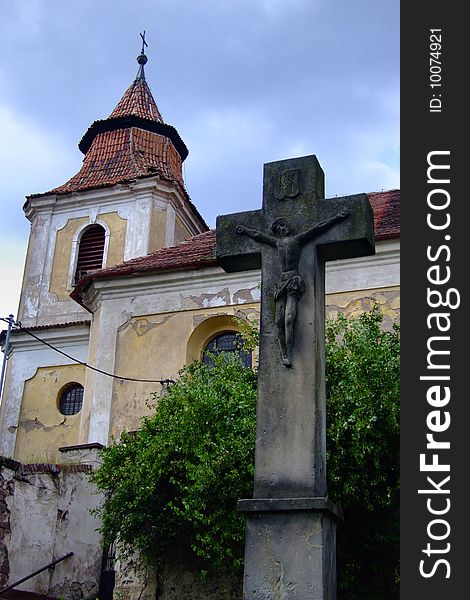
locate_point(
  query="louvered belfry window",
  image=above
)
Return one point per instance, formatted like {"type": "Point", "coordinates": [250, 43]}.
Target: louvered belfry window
{"type": "Point", "coordinates": [91, 250]}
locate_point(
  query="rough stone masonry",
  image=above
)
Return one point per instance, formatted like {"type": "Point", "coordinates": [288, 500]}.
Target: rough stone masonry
{"type": "Point", "coordinates": [290, 551]}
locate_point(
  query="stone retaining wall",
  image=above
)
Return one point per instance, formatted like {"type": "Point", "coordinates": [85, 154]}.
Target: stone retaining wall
{"type": "Point", "coordinates": [44, 514]}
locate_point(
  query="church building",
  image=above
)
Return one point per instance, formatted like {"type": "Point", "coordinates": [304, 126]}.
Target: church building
{"type": "Point", "coordinates": [122, 288]}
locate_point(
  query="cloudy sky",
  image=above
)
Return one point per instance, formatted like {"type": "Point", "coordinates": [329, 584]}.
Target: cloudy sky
{"type": "Point", "coordinates": [244, 81]}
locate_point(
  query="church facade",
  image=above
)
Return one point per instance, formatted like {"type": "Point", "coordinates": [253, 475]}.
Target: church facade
{"type": "Point", "coordinates": [122, 288]}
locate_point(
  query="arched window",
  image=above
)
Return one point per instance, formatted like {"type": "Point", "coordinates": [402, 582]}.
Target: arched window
{"type": "Point", "coordinates": [71, 399]}
{"type": "Point", "coordinates": [90, 250]}
{"type": "Point", "coordinates": [227, 343]}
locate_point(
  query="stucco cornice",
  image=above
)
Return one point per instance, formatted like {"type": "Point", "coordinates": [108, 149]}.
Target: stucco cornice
{"type": "Point", "coordinates": [78, 335]}
{"type": "Point", "coordinates": [117, 194]}
{"type": "Point", "coordinates": [161, 283]}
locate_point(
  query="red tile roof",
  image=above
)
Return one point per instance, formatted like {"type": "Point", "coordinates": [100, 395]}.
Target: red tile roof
{"type": "Point", "coordinates": [132, 143]}
{"type": "Point", "coordinates": [138, 101]}
{"type": "Point", "coordinates": [199, 251]}
{"type": "Point", "coordinates": [85, 322]}
{"type": "Point", "coordinates": [19, 330]}
{"type": "Point", "coordinates": [125, 155]}
{"type": "Point", "coordinates": [386, 207]}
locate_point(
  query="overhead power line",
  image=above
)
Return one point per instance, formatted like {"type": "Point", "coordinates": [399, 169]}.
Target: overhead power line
{"type": "Point", "coordinates": [19, 327]}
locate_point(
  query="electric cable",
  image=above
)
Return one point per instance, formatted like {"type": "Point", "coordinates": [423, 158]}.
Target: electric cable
{"type": "Point", "coordinates": [19, 327]}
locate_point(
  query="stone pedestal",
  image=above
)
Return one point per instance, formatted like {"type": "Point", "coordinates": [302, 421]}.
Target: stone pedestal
{"type": "Point", "coordinates": [289, 549]}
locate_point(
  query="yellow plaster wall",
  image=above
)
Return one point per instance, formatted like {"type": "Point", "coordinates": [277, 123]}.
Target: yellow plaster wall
{"type": "Point", "coordinates": [156, 347]}
{"type": "Point", "coordinates": [63, 249]}
{"type": "Point", "coordinates": [158, 225]}
{"type": "Point", "coordinates": [157, 229]}
{"type": "Point", "coordinates": [181, 232]}
{"type": "Point", "coordinates": [117, 237]}
{"type": "Point", "coordinates": [42, 428]}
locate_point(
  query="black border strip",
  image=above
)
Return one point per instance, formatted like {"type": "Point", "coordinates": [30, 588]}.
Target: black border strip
{"type": "Point", "coordinates": [434, 121]}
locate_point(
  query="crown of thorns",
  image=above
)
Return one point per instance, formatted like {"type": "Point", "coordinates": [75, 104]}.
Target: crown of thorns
{"type": "Point", "coordinates": [279, 222]}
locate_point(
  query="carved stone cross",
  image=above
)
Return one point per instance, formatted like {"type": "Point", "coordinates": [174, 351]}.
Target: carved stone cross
{"type": "Point", "coordinates": [289, 527]}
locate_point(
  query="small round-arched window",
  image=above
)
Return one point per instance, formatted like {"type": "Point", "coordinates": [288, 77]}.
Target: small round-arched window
{"type": "Point", "coordinates": [71, 399]}
{"type": "Point", "coordinates": [227, 343]}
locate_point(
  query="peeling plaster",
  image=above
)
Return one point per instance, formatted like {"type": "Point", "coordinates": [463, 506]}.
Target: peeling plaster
{"type": "Point", "coordinates": [281, 590]}
{"type": "Point", "coordinates": [221, 298]}
{"type": "Point", "coordinates": [31, 424]}
{"type": "Point", "coordinates": [126, 323]}
{"type": "Point", "coordinates": [143, 326]}
{"type": "Point", "coordinates": [354, 305]}
{"type": "Point", "coordinates": [246, 296]}
{"type": "Point", "coordinates": [48, 516]}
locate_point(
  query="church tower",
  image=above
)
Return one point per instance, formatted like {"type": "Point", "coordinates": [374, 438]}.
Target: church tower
{"type": "Point", "coordinates": [127, 200]}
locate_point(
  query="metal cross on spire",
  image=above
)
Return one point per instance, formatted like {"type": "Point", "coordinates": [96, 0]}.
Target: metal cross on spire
{"type": "Point", "coordinates": [144, 43]}
{"type": "Point", "coordinates": [142, 58]}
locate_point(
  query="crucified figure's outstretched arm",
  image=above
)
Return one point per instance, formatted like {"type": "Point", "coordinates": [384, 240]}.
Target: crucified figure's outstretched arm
{"type": "Point", "coordinates": [259, 236]}
{"type": "Point", "coordinates": [320, 227]}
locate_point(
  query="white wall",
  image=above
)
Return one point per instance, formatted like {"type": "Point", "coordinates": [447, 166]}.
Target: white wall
{"type": "Point", "coordinates": [49, 517]}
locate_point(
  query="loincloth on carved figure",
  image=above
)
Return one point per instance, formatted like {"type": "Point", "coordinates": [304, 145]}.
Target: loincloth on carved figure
{"type": "Point", "coordinates": [290, 284]}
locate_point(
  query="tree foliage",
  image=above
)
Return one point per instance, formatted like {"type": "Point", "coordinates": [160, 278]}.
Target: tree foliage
{"type": "Point", "coordinates": [177, 480]}
{"type": "Point", "coordinates": [363, 387]}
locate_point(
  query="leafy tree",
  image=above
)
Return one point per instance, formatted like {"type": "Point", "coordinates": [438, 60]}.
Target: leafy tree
{"type": "Point", "coordinates": [362, 379]}
{"type": "Point", "coordinates": [178, 479]}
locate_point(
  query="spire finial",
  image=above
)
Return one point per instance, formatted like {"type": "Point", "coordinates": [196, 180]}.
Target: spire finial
{"type": "Point", "coordinates": [142, 58]}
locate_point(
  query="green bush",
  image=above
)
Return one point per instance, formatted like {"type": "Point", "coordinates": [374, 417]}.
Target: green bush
{"type": "Point", "coordinates": [178, 479]}
{"type": "Point", "coordinates": [363, 398]}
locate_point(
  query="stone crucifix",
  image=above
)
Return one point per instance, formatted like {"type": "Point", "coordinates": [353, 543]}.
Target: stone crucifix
{"type": "Point", "coordinates": [291, 286]}
{"type": "Point", "coordinates": [291, 524]}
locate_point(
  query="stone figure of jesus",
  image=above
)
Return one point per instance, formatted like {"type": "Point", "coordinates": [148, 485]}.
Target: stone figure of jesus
{"type": "Point", "coordinates": [291, 286]}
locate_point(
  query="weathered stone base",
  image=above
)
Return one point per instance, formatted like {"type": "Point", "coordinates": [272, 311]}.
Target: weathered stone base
{"type": "Point", "coordinates": [177, 579]}
{"type": "Point", "coordinates": [290, 549]}
{"type": "Point", "coordinates": [134, 581]}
